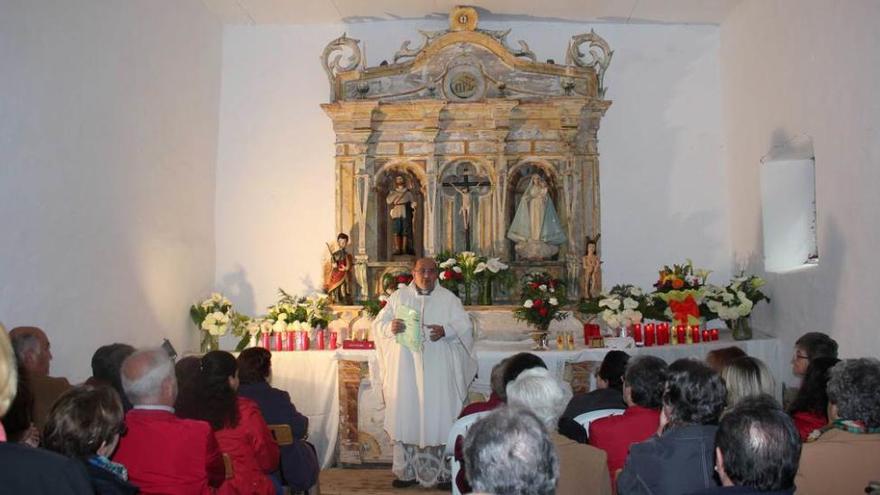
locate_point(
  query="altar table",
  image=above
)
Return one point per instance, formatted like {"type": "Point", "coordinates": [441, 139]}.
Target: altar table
{"type": "Point", "coordinates": [312, 377]}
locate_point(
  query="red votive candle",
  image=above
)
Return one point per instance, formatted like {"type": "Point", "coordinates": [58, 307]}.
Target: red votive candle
{"type": "Point", "coordinates": [637, 332]}
{"type": "Point", "coordinates": [264, 340]}
{"type": "Point", "coordinates": [706, 336]}
{"type": "Point", "coordinates": [279, 342]}
{"type": "Point", "coordinates": [291, 341]}
{"type": "Point", "coordinates": [586, 333]}
{"type": "Point", "coordinates": [649, 335]}
{"type": "Point", "coordinates": [681, 333]}
{"type": "Point", "coordinates": [319, 337]}
{"type": "Point", "coordinates": [714, 333]}
{"type": "Point", "coordinates": [663, 334]}
{"type": "Point", "coordinates": [306, 341]}
{"type": "Point", "coordinates": [695, 334]}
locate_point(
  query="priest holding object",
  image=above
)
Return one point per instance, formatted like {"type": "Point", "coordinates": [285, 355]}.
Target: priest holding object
{"type": "Point", "coordinates": [424, 342]}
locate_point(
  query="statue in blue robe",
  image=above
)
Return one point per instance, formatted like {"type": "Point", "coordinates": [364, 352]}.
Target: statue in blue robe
{"type": "Point", "coordinates": [536, 228]}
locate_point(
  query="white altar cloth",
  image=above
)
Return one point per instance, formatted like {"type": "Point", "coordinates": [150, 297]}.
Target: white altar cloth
{"type": "Point", "coordinates": [312, 378]}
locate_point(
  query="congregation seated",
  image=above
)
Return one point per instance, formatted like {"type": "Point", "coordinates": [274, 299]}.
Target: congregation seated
{"type": "Point", "coordinates": [509, 451]}
{"type": "Point", "coordinates": [746, 377]}
{"type": "Point", "coordinates": [85, 424]}
{"type": "Point", "coordinates": [25, 469]}
{"type": "Point", "coordinates": [844, 457]}
{"type": "Point", "coordinates": [299, 463]}
{"type": "Point", "coordinates": [210, 394]}
{"type": "Point", "coordinates": [32, 350]}
{"type": "Point", "coordinates": [498, 396]}
{"type": "Point", "coordinates": [608, 395]}
{"type": "Point", "coordinates": [680, 459]}
{"type": "Point", "coordinates": [809, 409]}
{"type": "Point", "coordinates": [643, 387]}
{"type": "Point", "coordinates": [718, 359]}
{"type": "Point", "coordinates": [106, 362]}
{"type": "Point", "coordinates": [757, 449]}
{"type": "Point", "coordinates": [162, 452]}
{"type": "Point", "coordinates": [580, 465]}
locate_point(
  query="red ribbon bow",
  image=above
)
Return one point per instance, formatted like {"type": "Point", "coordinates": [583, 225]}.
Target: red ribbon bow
{"type": "Point", "coordinates": [682, 309]}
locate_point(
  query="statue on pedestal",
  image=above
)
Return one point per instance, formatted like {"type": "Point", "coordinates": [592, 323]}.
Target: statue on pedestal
{"type": "Point", "coordinates": [337, 280]}
{"type": "Point", "coordinates": [402, 205]}
{"type": "Point", "coordinates": [536, 229]}
{"type": "Point", "coordinates": [592, 280]}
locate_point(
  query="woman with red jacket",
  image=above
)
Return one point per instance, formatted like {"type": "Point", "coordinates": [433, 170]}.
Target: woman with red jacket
{"type": "Point", "coordinates": [210, 393]}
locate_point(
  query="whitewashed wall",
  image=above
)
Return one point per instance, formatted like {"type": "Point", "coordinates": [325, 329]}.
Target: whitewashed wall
{"type": "Point", "coordinates": [108, 142]}
{"type": "Point", "coordinates": [663, 181]}
{"type": "Point", "coordinates": [797, 70]}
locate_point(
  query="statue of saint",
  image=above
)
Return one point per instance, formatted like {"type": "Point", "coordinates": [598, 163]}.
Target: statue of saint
{"type": "Point", "coordinates": [402, 203]}
{"type": "Point", "coordinates": [337, 282]}
{"type": "Point", "coordinates": [536, 229]}
{"type": "Point", "coordinates": [592, 270]}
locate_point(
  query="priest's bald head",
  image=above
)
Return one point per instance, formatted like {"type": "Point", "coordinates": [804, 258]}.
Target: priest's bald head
{"type": "Point", "coordinates": [425, 275]}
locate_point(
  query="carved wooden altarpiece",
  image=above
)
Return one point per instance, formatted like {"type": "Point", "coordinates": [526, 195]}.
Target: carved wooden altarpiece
{"type": "Point", "coordinates": [464, 118]}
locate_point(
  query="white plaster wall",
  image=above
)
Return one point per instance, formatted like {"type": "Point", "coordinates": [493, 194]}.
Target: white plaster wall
{"type": "Point", "coordinates": [663, 181]}
{"type": "Point", "coordinates": [798, 68]}
{"type": "Point", "coordinates": [108, 142]}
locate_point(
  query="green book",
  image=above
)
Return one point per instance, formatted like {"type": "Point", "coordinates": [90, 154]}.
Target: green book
{"type": "Point", "coordinates": [411, 337]}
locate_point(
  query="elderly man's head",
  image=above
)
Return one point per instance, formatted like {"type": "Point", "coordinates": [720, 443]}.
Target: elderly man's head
{"type": "Point", "coordinates": [852, 391]}
{"type": "Point", "coordinates": [541, 393]}
{"type": "Point", "coordinates": [758, 446]}
{"type": "Point", "coordinates": [509, 451]}
{"type": "Point", "coordinates": [425, 274]}
{"type": "Point", "coordinates": [32, 349]}
{"type": "Point", "coordinates": [148, 378]}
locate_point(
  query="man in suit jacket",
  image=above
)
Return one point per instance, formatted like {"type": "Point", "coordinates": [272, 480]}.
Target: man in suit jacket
{"type": "Point", "coordinates": [163, 453]}
{"type": "Point", "coordinates": [33, 351]}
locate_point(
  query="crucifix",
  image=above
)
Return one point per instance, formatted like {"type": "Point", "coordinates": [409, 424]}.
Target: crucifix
{"type": "Point", "coordinates": [464, 187]}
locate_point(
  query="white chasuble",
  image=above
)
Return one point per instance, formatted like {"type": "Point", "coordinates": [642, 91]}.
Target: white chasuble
{"type": "Point", "coordinates": [425, 390]}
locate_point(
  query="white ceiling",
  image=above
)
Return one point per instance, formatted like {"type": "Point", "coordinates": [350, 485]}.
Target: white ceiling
{"type": "Point", "coordinates": [354, 11]}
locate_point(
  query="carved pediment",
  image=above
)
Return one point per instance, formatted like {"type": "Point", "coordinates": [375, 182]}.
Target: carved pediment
{"type": "Point", "coordinates": [466, 64]}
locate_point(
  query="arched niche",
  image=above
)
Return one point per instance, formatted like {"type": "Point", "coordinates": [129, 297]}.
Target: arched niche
{"type": "Point", "coordinates": [465, 206]}
{"type": "Point", "coordinates": [517, 180]}
{"type": "Point", "coordinates": [416, 182]}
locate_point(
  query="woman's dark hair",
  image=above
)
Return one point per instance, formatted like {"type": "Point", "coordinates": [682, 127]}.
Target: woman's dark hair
{"type": "Point", "coordinates": [82, 419]}
{"type": "Point", "coordinates": [853, 387]}
{"type": "Point", "coordinates": [254, 365]}
{"type": "Point", "coordinates": [760, 445]}
{"type": "Point", "coordinates": [612, 368]}
{"type": "Point", "coordinates": [207, 394]}
{"type": "Point", "coordinates": [646, 379]}
{"type": "Point", "coordinates": [719, 359]}
{"type": "Point", "coordinates": [813, 395]}
{"type": "Point", "coordinates": [694, 394]}
{"type": "Point", "coordinates": [520, 362]}
{"type": "Point", "coordinates": [816, 345]}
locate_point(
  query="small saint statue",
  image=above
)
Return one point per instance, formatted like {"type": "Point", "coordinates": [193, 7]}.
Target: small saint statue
{"type": "Point", "coordinates": [592, 279]}
{"type": "Point", "coordinates": [337, 282]}
{"type": "Point", "coordinates": [536, 229]}
{"type": "Point", "coordinates": [402, 203]}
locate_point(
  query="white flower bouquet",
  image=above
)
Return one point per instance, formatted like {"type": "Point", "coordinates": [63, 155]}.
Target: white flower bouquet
{"type": "Point", "coordinates": [622, 306]}
{"type": "Point", "coordinates": [737, 299]}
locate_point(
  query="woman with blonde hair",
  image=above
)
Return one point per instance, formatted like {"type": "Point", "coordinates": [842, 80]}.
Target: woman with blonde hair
{"type": "Point", "coordinates": [747, 377]}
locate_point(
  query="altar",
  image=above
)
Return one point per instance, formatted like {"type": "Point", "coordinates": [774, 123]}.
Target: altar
{"type": "Point", "coordinates": [334, 388]}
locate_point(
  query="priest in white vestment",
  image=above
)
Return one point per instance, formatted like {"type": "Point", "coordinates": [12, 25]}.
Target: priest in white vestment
{"type": "Point", "coordinates": [424, 341]}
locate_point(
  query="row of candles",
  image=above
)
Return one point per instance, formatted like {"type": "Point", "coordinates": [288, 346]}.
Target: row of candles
{"type": "Point", "coordinates": [302, 340]}
{"type": "Point", "coordinates": [659, 334]}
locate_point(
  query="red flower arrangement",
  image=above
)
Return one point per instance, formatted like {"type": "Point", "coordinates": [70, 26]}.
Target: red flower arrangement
{"type": "Point", "coordinates": [393, 281]}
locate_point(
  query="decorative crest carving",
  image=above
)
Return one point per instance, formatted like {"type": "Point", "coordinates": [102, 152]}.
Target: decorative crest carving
{"type": "Point", "coordinates": [406, 52]}
{"type": "Point", "coordinates": [600, 55]}
{"type": "Point", "coordinates": [346, 57]}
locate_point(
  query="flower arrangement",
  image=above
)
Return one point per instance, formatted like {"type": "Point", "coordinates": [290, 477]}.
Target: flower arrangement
{"type": "Point", "coordinates": [681, 289]}
{"type": "Point", "coordinates": [736, 299]}
{"type": "Point", "coordinates": [215, 317]}
{"type": "Point", "coordinates": [450, 272]}
{"type": "Point", "coordinates": [373, 306]}
{"type": "Point", "coordinates": [542, 300]}
{"type": "Point", "coordinates": [623, 305]}
{"type": "Point", "coordinates": [393, 281]}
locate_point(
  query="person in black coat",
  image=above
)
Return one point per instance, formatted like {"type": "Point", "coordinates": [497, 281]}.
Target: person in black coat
{"type": "Point", "coordinates": [681, 458]}
{"type": "Point", "coordinates": [608, 395]}
{"type": "Point", "coordinates": [299, 462]}
{"type": "Point", "coordinates": [85, 424]}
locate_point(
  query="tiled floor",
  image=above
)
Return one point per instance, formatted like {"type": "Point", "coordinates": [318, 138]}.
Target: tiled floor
{"type": "Point", "coordinates": [339, 481]}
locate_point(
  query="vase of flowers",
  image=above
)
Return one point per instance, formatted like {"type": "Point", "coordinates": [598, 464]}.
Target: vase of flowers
{"type": "Point", "coordinates": [468, 261]}
{"type": "Point", "coordinates": [620, 308]}
{"type": "Point", "coordinates": [213, 317]}
{"type": "Point", "coordinates": [734, 303]}
{"type": "Point", "coordinates": [541, 301]}
{"type": "Point", "coordinates": [487, 272]}
{"type": "Point", "coordinates": [681, 289]}
{"type": "Point", "coordinates": [450, 276]}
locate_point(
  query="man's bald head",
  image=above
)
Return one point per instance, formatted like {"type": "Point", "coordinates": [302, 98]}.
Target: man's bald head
{"type": "Point", "coordinates": [148, 378]}
{"type": "Point", "coordinates": [31, 349]}
{"type": "Point", "coordinates": [425, 274]}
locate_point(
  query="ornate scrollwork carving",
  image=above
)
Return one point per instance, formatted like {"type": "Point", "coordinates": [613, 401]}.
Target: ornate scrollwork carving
{"type": "Point", "coordinates": [340, 55]}
{"type": "Point", "coordinates": [427, 37]}
{"type": "Point", "coordinates": [600, 55]}
{"type": "Point", "coordinates": [501, 37]}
